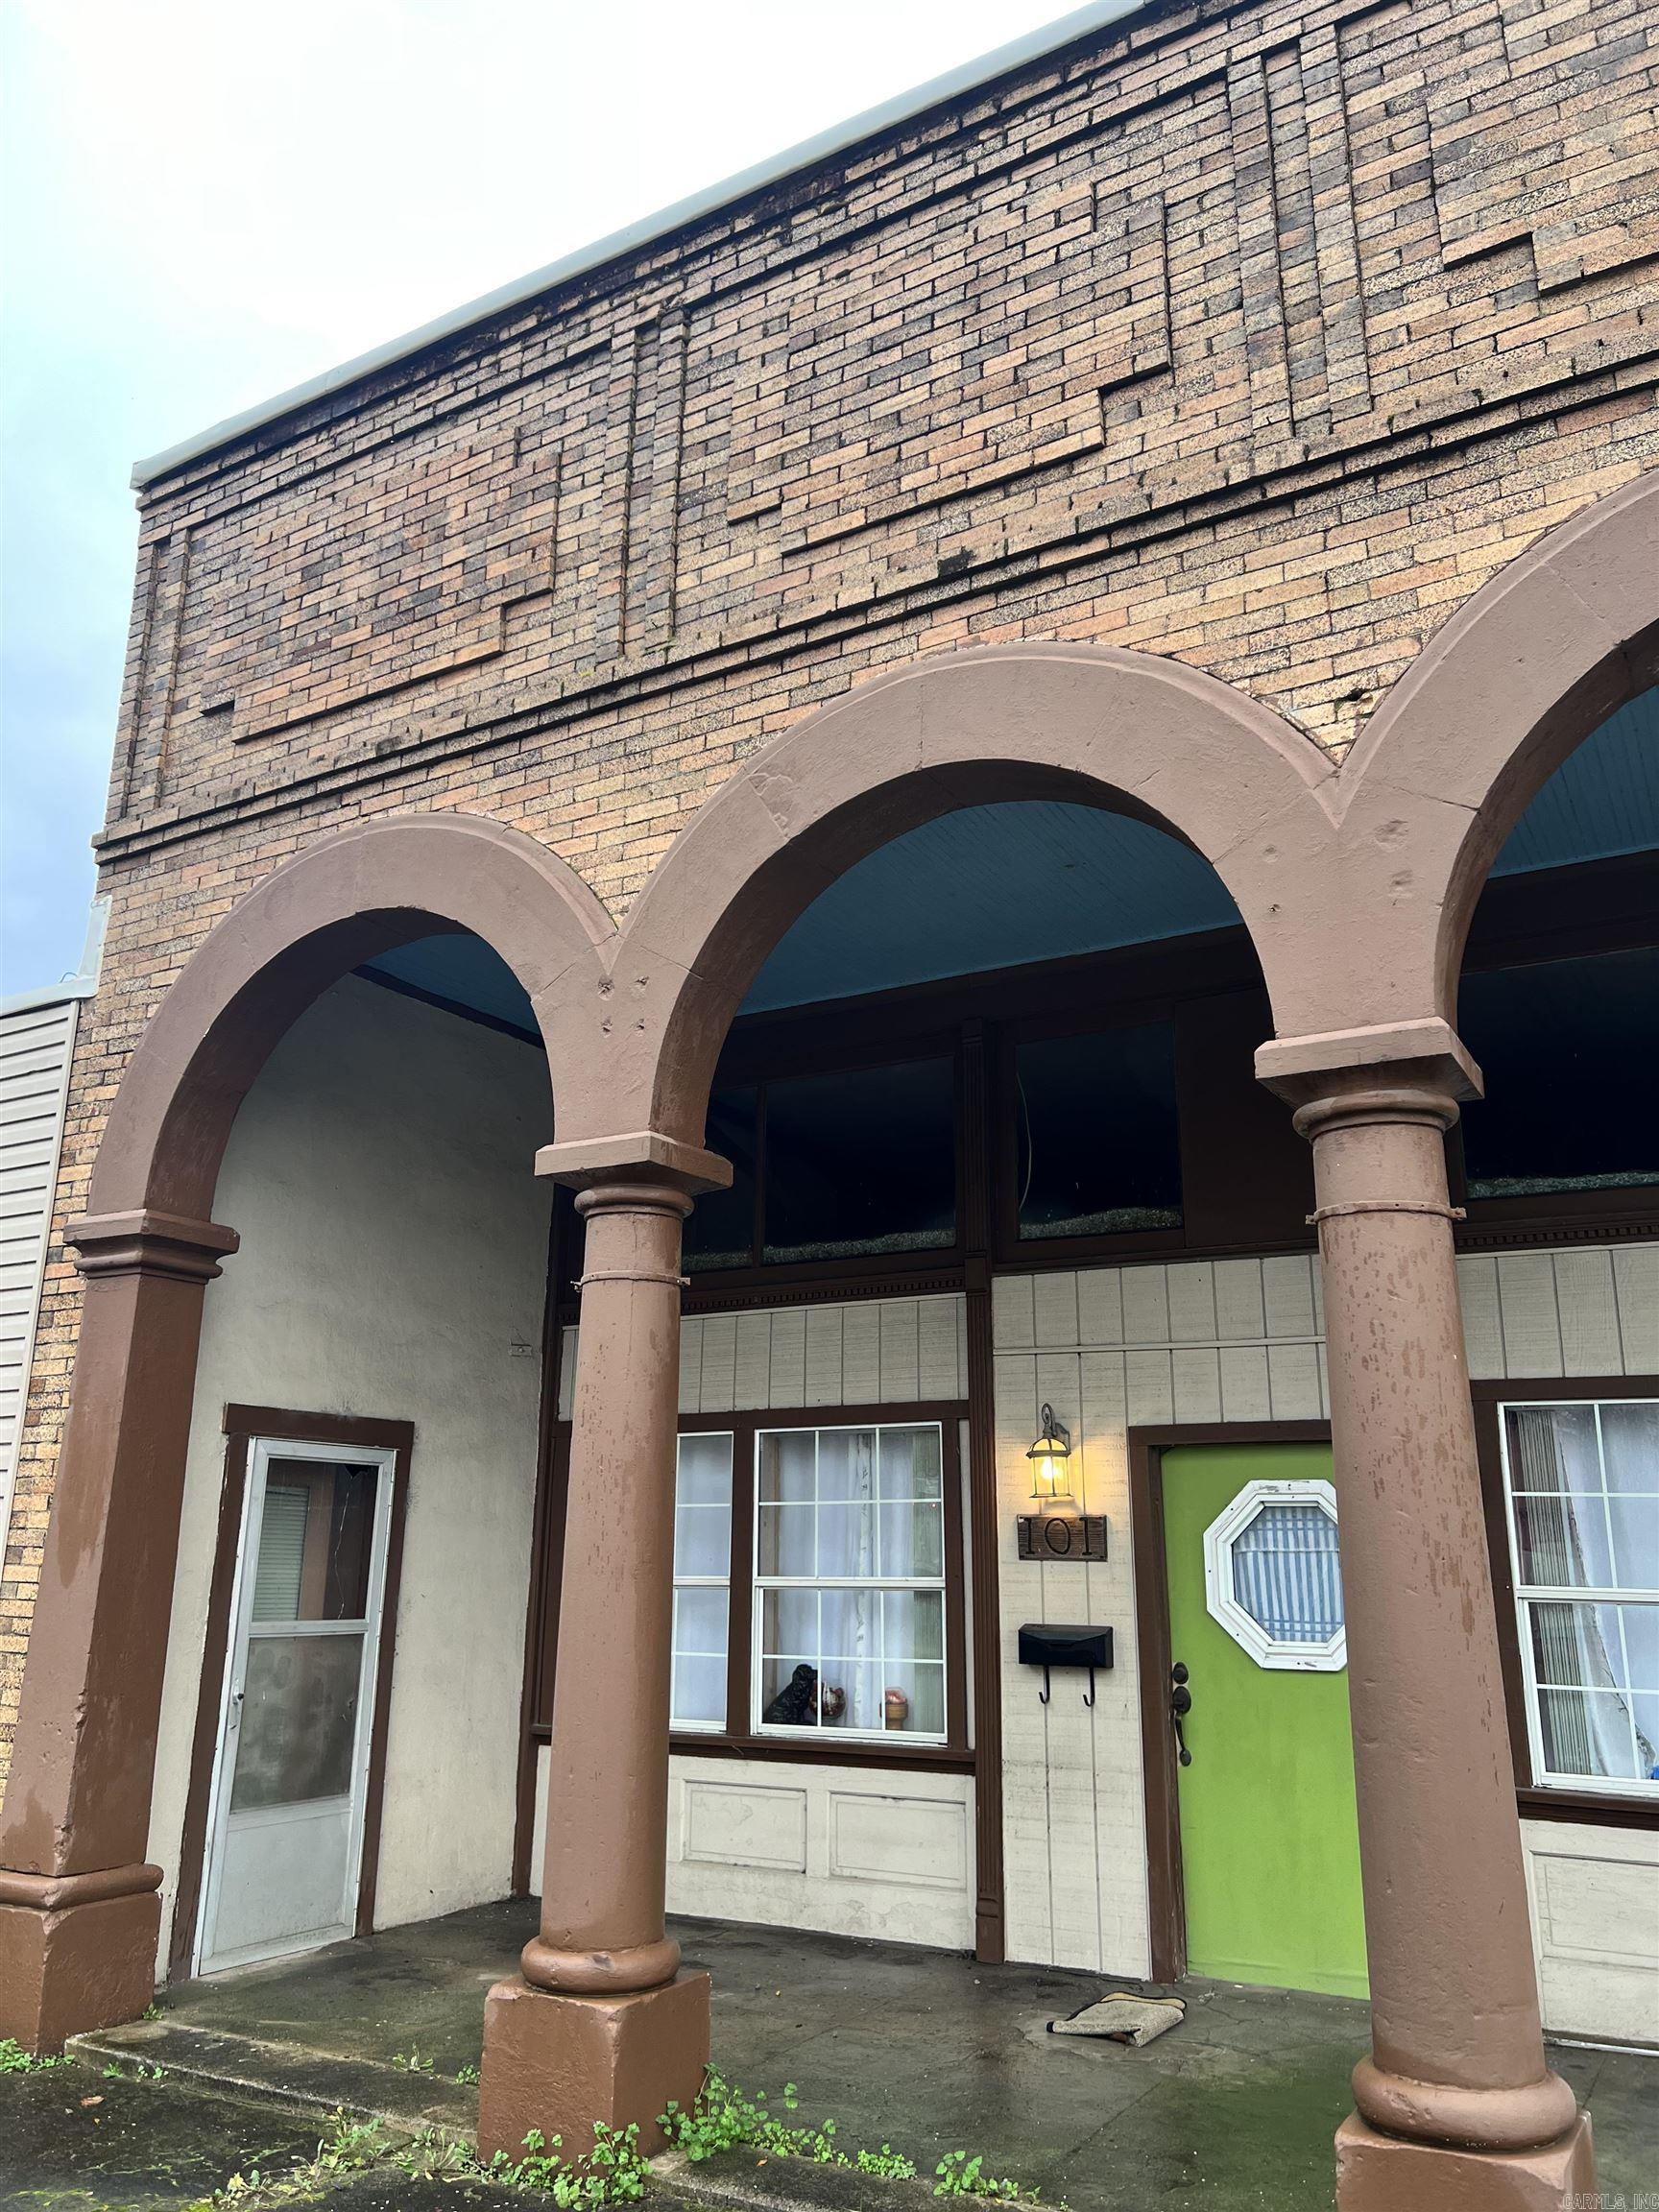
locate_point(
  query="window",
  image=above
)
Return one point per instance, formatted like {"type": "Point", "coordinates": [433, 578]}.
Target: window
{"type": "Point", "coordinates": [1099, 1149]}
{"type": "Point", "coordinates": [849, 1582]}
{"type": "Point", "coordinates": [720, 1231]}
{"type": "Point", "coordinates": [1273, 1576]}
{"type": "Point", "coordinates": [1570, 1055]}
{"type": "Point", "coordinates": [1581, 1497]}
{"type": "Point", "coordinates": [861, 1162]}
{"type": "Point", "coordinates": [702, 1580]}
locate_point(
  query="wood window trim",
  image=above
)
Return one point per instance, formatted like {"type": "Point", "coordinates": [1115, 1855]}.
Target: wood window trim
{"type": "Point", "coordinates": [1165, 1897]}
{"type": "Point", "coordinates": [1537, 1801]}
{"type": "Point", "coordinates": [738, 1740]}
{"type": "Point", "coordinates": [284, 1424]}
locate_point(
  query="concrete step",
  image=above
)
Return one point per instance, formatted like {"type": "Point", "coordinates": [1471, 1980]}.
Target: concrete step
{"type": "Point", "coordinates": [307, 2082]}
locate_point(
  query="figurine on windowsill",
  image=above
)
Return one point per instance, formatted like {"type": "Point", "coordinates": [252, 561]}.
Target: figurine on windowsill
{"type": "Point", "coordinates": [794, 1705]}
{"type": "Point", "coordinates": [896, 1707]}
{"type": "Point", "coordinates": [832, 1704]}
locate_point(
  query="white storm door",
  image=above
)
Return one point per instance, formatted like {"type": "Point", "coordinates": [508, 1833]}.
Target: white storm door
{"type": "Point", "coordinates": [285, 1820]}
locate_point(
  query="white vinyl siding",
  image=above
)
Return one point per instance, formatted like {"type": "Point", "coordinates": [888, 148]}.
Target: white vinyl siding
{"type": "Point", "coordinates": [35, 1044]}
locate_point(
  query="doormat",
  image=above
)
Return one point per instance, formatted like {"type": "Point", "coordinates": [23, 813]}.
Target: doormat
{"type": "Point", "coordinates": [1123, 2017]}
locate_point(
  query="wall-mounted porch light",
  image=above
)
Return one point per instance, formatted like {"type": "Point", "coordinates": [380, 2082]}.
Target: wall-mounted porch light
{"type": "Point", "coordinates": [1050, 1458]}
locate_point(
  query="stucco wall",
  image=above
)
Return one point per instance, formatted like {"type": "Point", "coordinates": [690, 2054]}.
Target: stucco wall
{"type": "Point", "coordinates": [1241, 1340]}
{"type": "Point", "coordinates": [393, 1266]}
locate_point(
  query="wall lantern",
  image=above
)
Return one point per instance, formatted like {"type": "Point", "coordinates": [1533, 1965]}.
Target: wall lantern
{"type": "Point", "coordinates": [1050, 1458]}
{"type": "Point", "coordinates": [1057, 1535]}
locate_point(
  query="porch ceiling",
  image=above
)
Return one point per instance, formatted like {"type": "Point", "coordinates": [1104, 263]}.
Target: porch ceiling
{"type": "Point", "coordinates": [1035, 880]}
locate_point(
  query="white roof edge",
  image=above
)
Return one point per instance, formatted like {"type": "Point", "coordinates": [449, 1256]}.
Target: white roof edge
{"type": "Point", "coordinates": [838, 140]}
{"type": "Point", "coordinates": [83, 983]}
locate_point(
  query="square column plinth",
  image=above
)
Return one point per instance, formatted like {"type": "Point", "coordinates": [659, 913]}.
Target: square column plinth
{"type": "Point", "coordinates": [1377, 2172]}
{"type": "Point", "coordinates": [67, 1970]}
{"type": "Point", "coordinates": [560, 2064]}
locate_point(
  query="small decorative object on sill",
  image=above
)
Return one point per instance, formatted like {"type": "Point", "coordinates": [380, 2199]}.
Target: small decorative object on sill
{"type": "Point", "coordinates": [896, 1707]}
{"type": "Point", "coordinates": [832, 1703]}
{"type": "Point", "coordinates": [1120, 2016]}
{"type": "Point", "coordinates": [795, 1705]}
{"type": "Point", "coordinates": [1062, 1535]}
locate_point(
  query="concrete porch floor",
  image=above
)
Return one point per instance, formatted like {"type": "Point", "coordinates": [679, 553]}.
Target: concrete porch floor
{"type": "Point", "coordinates": [921, 2049]}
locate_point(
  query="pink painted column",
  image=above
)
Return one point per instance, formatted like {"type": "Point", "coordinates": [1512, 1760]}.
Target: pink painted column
{"type": "Point", "coordinates": [1457, 2106]}
{"type": "Point", "coordinates": [79, 1912]}
{"type": "Point", "coordinates": [601, 2025]}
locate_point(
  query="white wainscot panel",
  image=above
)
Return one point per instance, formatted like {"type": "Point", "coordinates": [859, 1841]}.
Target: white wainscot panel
{"type": "Point", "coordinates": [913, 1839]}
{"type": "Point", "coordinates": [1596, 1919]}
{"type": "Point", "coordinates": [741, 1824]}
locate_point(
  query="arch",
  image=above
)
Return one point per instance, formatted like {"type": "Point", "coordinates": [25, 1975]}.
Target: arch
{"type": "Point", "coordinates": [1146, 736]}
{"type": "Point", "coordinates": [332, 906]}
{"type": "Point", "coordinates": [1541, 654]}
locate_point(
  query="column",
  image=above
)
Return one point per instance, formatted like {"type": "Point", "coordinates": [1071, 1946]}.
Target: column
{"type": "Point", "coordinates": [79, 1913]}
{"type": "Point", "coordinates": [601, 2025]}
{"type": "Point", "coordinates": [1455, 2104]}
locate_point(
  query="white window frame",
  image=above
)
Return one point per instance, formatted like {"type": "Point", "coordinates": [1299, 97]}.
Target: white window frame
{"type": "Point", "coordinates": [1278, 1654]}
{"type": "Point", "coordinates": [760, 1584]}
{"type": "Point", "coordinates": [1530, 1594]}
{"type": "Point", "coordinates": [703, 1582]}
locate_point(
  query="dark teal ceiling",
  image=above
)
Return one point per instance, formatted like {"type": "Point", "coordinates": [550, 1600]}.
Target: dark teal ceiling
{"type": "Point", "coordinates": [1036, 880]}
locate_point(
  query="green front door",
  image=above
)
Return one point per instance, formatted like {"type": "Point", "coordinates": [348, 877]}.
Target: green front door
{"type": "Point", "coordinates": [1269, 1842]}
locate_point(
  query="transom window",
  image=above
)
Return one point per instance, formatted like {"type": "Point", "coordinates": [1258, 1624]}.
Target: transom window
{"type": "Point", "coordinates": [817, 1577]}
{"type": "Point", "coordinates": [1581, 1491]}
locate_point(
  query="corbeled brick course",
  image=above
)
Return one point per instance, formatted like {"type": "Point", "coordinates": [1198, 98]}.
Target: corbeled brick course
{"type": "Point", "coordinates": [1258, 335]}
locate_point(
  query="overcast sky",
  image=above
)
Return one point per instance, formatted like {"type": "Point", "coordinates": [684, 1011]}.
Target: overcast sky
{"type": "Point", "coordinates": [207, 200]}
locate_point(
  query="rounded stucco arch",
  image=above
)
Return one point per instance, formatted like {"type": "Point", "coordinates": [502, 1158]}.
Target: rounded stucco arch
{"type": "Point", "coordinates": [1526, 669]}
{"type": "Point", "coordinates": [311, 921]}
{"type": "Point", "coordinates": [1144, 736]}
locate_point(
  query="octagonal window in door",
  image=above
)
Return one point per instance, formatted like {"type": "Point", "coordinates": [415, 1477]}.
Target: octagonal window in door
{"type": "Point", "coordinates": [1273, 1576]}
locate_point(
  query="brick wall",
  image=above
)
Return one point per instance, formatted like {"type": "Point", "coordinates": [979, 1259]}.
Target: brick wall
{"type": "Point", "coordinates": [1258, 335]}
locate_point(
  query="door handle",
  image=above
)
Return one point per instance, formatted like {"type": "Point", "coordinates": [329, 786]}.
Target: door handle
{"type": "Point", "coordinates": [1180, 1705]}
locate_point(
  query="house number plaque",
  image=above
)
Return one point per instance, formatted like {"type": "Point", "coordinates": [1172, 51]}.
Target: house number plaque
{"type": "Point", "coordinates": [1062, 1536]}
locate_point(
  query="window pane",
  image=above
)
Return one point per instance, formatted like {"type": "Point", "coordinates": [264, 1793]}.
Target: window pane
{"type": "Point", "coordinates": [720, 1229]}
{"type": "Point", "coordinates": [1598, 1673]}
{"type": "Point", "coordinates": [1630, 1452]}
{"type": "Point", "coordinates": [316, 1540]}
{"type": "Point", "coordinates": [299, 1722]}
{"type": "Point", "coordinates": [1099, 1151]}
{"type": "Point", "coordinates": [1286, 1573]}
{"type": "Point", "coordinates": [912, 1542]}
{"type": "Point", "coordinates": [861, 1162]}
{"type": "Point", "coordinates": [1571, 1054]}
{"type": "Point", "coordinates": [1585, 1501]}
{"type": "Point", "coordinates": [910, 1463]}
{"type": "Point", "coordinates": [700, 1633]}
{"type": "Point", "coordinates": [705, 1471]}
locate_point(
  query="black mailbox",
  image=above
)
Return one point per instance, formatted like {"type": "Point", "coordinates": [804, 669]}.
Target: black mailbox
{"type": "Point", "coordinates": [1047, 1645]}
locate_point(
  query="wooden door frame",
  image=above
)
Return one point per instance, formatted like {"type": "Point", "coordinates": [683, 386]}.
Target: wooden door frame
{"type": "Point", "coordinates": [243, 1424]}
{"type": "Point", "coordinates": [1165, 1896]}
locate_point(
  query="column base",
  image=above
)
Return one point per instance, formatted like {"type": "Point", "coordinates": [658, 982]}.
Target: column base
{"type": "Point", "coordinates": [560, 2064]}
{"type": "Point", "coordinates": [1377, 2172]}
{"type": "Point", "coordinates": [67, 1970]}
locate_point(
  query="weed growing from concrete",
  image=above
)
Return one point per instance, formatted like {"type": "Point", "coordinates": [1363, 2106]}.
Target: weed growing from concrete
{"type": "Point", "coordinates": [15, 2059]}
{"type": "Point", "coordinates": [411, 2061]}
{"type": "Point", "coordinates": [724, 2119]}
{"type": "Point", "coordinates": [960, 2175]}
{"type": "Point", "coordinates": [467, 2077]}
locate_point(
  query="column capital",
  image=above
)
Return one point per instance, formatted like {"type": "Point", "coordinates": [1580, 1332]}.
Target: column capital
{"type": "Point", "coordinates": [641, 1156]}
{"type": "Point", "coordinates": [168, 1245]}
{"type": "Point", "coordinates": [1412, 1068]}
